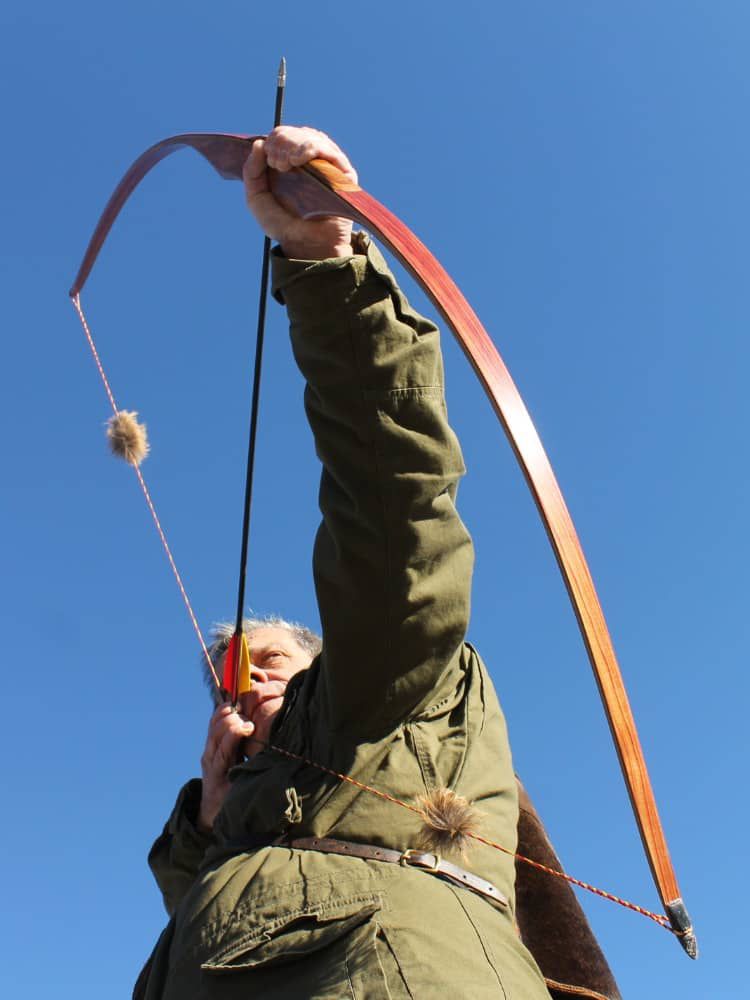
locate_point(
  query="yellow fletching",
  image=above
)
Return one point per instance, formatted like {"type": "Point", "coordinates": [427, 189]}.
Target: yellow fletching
{"type": "Point", "coordinates": [244, 680]}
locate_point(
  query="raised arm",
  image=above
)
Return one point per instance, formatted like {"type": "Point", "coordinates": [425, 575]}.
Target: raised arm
{"type": "Point", "coordinates": [392, 559]}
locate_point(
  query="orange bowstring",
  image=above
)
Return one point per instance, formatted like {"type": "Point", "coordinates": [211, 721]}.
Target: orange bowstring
{"type": "Point", "coordinates": [142, 482]}
{"type": "Point", "coordinates": [658, 918]}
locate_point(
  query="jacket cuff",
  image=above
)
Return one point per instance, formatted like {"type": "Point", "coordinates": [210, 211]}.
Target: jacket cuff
{"type": "Point", "coordinates": [323, 286]}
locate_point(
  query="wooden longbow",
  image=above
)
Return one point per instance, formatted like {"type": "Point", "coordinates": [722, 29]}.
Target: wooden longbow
{"type": "Point", "coordinates": [320, 189]}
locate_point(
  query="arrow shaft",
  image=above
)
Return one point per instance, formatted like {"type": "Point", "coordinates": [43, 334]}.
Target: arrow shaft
{"type": "Point", "coordinates": [254, 410]}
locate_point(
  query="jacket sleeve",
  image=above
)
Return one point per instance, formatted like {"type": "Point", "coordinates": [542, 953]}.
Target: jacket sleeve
{"type": "Point", "coordinates": [178, 853]}
{"type": "Point", "coordinates": [392, 560]}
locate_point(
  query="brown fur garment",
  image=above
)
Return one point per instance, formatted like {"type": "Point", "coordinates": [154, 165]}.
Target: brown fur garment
{"type": "Point", "coordinates": [127, 437]}
{"type": "Point", "coordinates": [552, 923]}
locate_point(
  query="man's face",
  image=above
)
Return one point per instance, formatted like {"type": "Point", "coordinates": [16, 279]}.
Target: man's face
{"type": "Point", "coordinates": [275, 658]}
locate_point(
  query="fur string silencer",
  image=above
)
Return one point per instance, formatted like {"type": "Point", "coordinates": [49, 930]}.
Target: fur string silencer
{"type": "Point", "coordinates": [449, 823]}
{"type": "Point", "coordinates": [127, 437]}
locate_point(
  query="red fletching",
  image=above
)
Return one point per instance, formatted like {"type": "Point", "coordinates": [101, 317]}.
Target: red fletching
{"type": "Point", "coordinates": [227, 679]}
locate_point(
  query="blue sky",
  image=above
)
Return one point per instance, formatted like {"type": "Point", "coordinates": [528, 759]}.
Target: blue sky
{"type": "Point", "coordinates": [581, 170]}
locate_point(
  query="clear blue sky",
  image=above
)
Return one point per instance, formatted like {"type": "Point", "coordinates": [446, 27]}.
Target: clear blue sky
{"type": "Point", "coordinates": [582, 170]}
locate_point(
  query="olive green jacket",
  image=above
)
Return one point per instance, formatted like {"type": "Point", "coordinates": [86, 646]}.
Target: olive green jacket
{"type": "Point", "coordinates": [396, 700]}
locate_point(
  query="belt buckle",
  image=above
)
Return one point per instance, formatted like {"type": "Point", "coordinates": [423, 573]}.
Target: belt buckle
{"type": "Point", "coordinates": [410, 853]}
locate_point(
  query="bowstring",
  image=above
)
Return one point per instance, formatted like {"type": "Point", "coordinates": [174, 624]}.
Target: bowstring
{"type": "Point", "coordinates": [76, 300]}
{"type": "Point", "coordinates": [658, 918]}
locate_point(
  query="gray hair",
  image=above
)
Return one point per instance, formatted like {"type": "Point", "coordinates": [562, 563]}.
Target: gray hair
{"type": "Point", "coordinates": [222, 632]}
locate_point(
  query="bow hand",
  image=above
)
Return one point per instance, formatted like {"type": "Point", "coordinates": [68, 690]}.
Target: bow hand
{"type": "Point", "coordinates": [285, 149]}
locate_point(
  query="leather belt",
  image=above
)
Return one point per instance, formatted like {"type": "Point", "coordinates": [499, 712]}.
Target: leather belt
{"type": "Point", "coordinates": [410, 858]}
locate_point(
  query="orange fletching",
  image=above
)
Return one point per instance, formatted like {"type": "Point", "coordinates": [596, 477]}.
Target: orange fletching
{"type": "Point", "coordinates": [241, 682]}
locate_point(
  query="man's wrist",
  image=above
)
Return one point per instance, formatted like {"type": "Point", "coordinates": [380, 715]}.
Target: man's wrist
{"type": "Point", "coordinates": [315, 251]}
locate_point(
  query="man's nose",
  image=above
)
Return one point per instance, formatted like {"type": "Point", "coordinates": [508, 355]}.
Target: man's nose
{"type": "Point", "coordinates": [258, 674]}
{"type": "Point", "coordinates": [249, 700]}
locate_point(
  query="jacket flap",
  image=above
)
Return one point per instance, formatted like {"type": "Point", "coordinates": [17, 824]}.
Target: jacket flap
{"type": "Point", "coordinates": [292, 935]}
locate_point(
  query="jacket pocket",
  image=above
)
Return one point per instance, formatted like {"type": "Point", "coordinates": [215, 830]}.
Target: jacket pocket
{"type": "Point", "coordinates": [292, 935]}
{"type": "Point", "coordinates": [321, 952]}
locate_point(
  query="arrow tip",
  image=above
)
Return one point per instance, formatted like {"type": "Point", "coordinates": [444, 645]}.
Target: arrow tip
{"type": "Point", "coordinates": [282, 72]}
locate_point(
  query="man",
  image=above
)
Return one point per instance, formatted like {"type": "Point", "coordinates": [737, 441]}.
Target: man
{"type": "Point", "coordinates": [261, 905]}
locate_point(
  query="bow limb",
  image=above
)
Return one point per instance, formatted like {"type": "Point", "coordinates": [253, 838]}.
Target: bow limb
{"type": "Point", "coordinates": [226, 152]}
{"type": "Point", "coordinates": [321, 189]}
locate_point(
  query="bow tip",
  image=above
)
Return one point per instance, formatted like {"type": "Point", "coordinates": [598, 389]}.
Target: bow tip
{"type": "Point", "coordinates": [690, 943]}
{"type": "Point", "coordinates": [680, 922]}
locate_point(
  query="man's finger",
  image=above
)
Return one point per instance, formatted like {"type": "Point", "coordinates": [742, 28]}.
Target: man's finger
{"type": "Point", "coordinates": [223, 719]}
{"type": "Point", "coordinates": [328, 150]}
{"type": "Point", "coordinates": [255, 164]}
{"type": "Point", "coordinates": [226, 751]}
{"type": "Point", "coordinates": [288, 147]}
